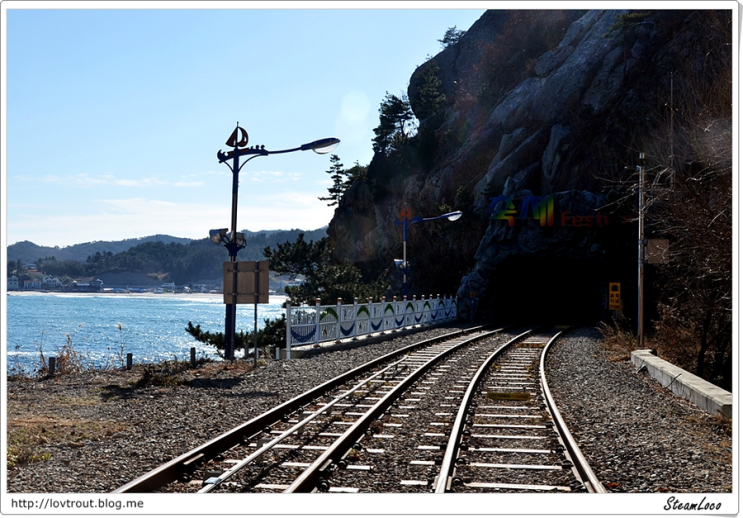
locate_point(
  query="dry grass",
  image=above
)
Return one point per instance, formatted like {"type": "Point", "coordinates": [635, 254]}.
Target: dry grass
{"type": "Point", "coordinates": [30, 435]}
{"type": "Point", "coordinates": [619, 342]}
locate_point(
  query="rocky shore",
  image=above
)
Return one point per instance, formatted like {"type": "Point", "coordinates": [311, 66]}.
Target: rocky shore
{"type": "Point", "coordinates": [95, 431]}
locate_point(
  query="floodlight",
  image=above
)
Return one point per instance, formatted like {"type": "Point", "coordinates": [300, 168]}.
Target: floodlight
{"type": "Point", "coordinates": [217, 235]}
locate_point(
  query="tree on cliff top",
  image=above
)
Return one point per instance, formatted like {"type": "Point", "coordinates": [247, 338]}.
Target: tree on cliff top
{"type": "Point", "coordinates": [451, 37]}
{"type": "Point", "coordinates": [340, 181]}
{"type": "Point", "coordinates": [430, 99]}
{"type": "Point", "coordinates": [395, 123]}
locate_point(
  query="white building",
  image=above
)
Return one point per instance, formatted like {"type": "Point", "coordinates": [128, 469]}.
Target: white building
{"type": "Point", "coordinates": [32, 285]}
{"type": "Point", "coordinates": [13, 283]}
{"type": "Point", "coordinates": [51, 282]}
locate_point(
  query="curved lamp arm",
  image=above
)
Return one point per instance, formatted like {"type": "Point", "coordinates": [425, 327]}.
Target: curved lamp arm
{"type": "Point", "coordinates": [451, 216]}
{"type": "Point", "coordinates": [320, 147]}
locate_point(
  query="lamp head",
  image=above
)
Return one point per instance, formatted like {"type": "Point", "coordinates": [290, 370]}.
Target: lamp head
{"type": "Point", "coordinates": [453, 216]}
{"type": "Point", "coordinates": [322, 146]}
{"type": "Point", "coordinates": [218, 235]}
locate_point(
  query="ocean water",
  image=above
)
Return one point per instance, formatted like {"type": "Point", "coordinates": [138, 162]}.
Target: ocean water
{"type": "Point", "coordinates": [152, 327]}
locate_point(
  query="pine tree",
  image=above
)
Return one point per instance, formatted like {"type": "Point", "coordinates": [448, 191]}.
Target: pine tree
{"type": "Point", "coordinates": [430, 100]}
{"type": "Point", "coordinates": [340, 181]}
{"type": "Point", "coordinates": [395, 122]}
{"type": "Point", "coordinates": [451, 36]}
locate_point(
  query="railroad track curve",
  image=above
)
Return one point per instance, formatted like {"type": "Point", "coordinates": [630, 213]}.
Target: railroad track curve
{"type": "Point", "coordinates": [352, 433]}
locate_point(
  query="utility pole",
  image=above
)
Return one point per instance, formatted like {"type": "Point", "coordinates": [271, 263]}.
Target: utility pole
{"type": "Point", "coordinates": [641, 254]}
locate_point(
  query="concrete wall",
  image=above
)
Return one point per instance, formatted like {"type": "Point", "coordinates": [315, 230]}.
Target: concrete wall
{"type": "Point", "coordinates": [704, 394]}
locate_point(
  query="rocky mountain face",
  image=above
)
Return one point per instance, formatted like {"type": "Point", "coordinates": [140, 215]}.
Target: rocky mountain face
{"type": "Point", "coordinates": [541, 110]}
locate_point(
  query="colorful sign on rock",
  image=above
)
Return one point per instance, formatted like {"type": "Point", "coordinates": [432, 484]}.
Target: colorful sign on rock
{"type": "Point", "coordinates": [542, 209]}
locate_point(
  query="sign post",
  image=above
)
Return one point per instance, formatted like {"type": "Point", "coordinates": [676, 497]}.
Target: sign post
{"type": "Point", "coordinates": [246, 282]}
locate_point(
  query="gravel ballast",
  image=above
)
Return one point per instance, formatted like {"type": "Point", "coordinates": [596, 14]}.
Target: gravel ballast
{"type": "Point", "coordinates": [95, 431]}
{"type": "Point", "coordinates": [636, 435]}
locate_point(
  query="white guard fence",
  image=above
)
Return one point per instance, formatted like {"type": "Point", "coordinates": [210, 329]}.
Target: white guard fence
{"type": "Point", "coordinates": [307, 325]}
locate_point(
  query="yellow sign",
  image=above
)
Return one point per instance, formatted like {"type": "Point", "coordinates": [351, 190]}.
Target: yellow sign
{"type": "Point", "coordinates": [509, 396]}
{"type": "Point", "coordinates": [615, 296]}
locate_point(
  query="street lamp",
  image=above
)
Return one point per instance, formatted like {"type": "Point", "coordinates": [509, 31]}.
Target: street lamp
{"type": "Point", "coordinates": [406, 219]}
{"type": "Point", "coordinates": [234, 240]}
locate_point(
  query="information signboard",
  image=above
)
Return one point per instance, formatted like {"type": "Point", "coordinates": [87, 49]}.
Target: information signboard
{"type": "Point", "coordinates": [252, 282]}
{"type": "Point", "coordinates": [615, 298]}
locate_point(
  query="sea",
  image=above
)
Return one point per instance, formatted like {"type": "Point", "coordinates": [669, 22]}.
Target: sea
{"type": "Point", "coordinates": [103, 328]}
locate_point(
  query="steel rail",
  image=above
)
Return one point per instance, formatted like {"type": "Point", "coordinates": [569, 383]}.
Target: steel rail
{"type": "Point", "coordinates": [210, 486]}
{"type": "Point", "coordinates": [587, 476]}
{"type": "Point", "coordinates": [171, 471]}
{"type": "Point", "coordinates": [308, 479]}
{"type": "Point", "coordinates": [442, 481]}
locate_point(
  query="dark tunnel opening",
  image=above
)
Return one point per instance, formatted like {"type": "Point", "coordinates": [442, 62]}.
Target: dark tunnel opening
{"type": "Point", "coordinates": [539, 290]}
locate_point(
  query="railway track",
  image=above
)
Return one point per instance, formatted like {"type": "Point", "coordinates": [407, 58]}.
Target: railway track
{"type": "Point", "coordinates": [468, 411]}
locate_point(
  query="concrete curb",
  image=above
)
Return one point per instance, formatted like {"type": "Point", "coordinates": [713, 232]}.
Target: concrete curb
{"type": "Point", "coordinates": [704, 394]}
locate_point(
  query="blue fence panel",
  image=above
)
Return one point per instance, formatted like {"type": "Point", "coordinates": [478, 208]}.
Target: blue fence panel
{"type": "Point", "coordinates": [363, 319]}
{"type": "Point", "coordinates": [314, 325]}
{"type": "Point", "coordinates": [303, 326]}
{"type": "Point", "coordinates": [347, 325]}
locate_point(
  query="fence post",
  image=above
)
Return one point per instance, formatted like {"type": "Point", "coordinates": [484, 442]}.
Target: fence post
{"type": "Point", "coordinates": [404, 311]}
{"type": "Point", "coordinates": [338, 310]}
{"type": "Point", "coordinates": [381, 325]}
{"type": "Point", "coordinates": [423, 310]}
{"type": "Point", "coordinates": [317, 322]}
{"type": "Point", "coordinates": [128, 361]}
{"type": "Point", "coordinates": [288, 306]}
{"type": "Point", "coordinates": [412, 323]}
{"type": "Point", "coordinates": [193, 357]}
{"type": "Point", "coordinates": [52, 365]}
{"type": "Point", "coordinates": [355, 317]}
{"type": "Point", "coordinates": [394, 312]}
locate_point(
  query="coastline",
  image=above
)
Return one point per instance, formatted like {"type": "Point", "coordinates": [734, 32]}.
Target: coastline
{"type": "Point", "coordinates": [273, 299]}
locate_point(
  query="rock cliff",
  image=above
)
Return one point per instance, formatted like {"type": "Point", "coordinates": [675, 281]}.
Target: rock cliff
{"type": "Point", "coordinates": [541, 107]}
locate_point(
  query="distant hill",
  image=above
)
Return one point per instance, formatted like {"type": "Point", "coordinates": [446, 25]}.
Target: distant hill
{"type": "Point", "coordinates": [163, 258]}
{"type": "Point", "coordinates": [29, 252]}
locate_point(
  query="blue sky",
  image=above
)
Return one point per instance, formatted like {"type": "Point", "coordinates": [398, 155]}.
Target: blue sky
{"type": "Point", "coordinates": [115, 116]}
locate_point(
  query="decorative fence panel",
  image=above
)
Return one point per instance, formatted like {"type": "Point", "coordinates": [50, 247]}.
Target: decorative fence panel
{"type": "Point", "coordinates": [307, 325]}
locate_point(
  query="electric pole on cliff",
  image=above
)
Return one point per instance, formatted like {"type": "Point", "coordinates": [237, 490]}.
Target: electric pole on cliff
{"type": "Point", "coordinates": [641, 254]}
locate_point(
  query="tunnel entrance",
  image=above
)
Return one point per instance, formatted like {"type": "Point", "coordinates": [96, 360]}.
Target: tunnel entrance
{"type": "Point", "coordinates": [543, 290]}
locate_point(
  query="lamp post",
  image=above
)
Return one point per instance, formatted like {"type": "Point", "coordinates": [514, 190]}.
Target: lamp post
{"type": "Point", "coordinates": [235, 241]}
{"type": "Point", "coordinates": [406, 219]}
